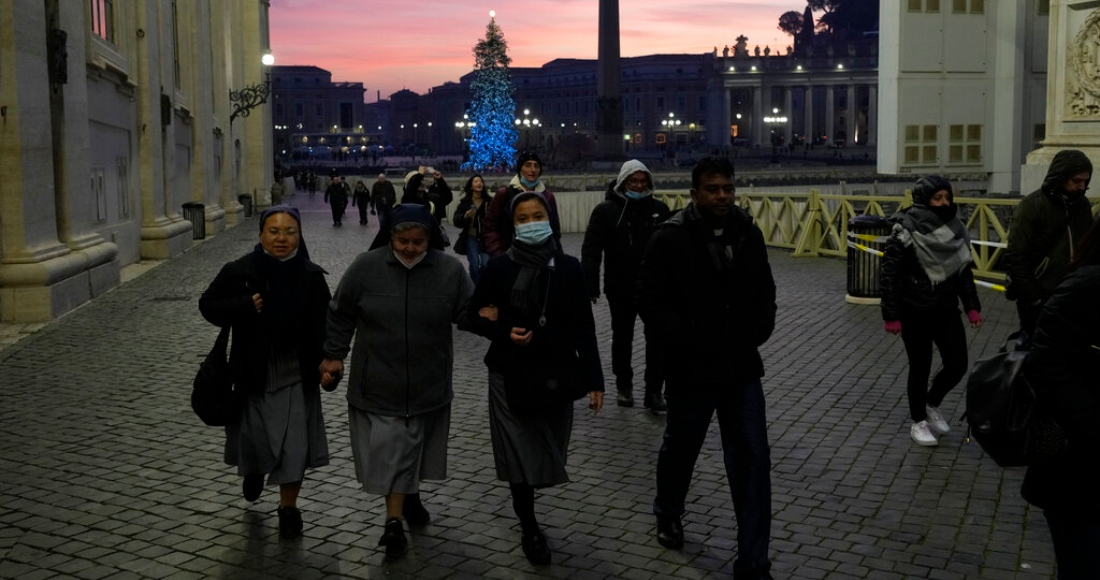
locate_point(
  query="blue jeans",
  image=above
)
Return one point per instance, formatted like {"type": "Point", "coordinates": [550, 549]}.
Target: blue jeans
{"type": "Point", "coordinates": [1076, 539]}
{"type": "Point", "coordinates": [741, 418]}
{"type": "Point", "coordinates": [477, 258]}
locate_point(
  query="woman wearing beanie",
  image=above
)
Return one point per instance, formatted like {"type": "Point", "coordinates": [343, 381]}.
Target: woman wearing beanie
{"type": "Point", "coordinates": [532, 304]}
{"type": "Point", "coordinates": [926, 270]}
{"type": "Point", "coordinates": [274, 298]}
{"type": "Point", "coordinates": [498, 230]}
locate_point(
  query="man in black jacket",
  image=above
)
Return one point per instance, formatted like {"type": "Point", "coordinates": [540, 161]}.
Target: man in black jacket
{"type": "Point", "coordinates": [1046, 226]}
{"type": "Point", "coordinates": [336, 194]}
{"type": "Point", "coordinates": [620, 228]}
{"type": "Point", "coordinates": [706, 289]}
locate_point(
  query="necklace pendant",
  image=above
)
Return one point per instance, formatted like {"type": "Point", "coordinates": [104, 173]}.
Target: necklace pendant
{"type": "Point", "coordinates": [542, 320]}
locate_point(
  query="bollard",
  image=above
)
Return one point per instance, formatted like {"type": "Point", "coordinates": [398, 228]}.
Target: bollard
{"type": "Point", "coordinates": [246, 200]}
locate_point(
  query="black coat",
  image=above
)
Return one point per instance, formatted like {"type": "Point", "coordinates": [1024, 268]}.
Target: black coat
{"type": "Point", "coordinates": [906, 288]}
{"type": "Point", "coordinates": [570, 325]}
{"type": "Point", "coordinates": [465, 224]}
{"type": "Point", "coordinates": [228, 301]}
{"type": "Point", "coordinates": [1064, 369]}
{"type": "Point", "coordinates": [440, 194]}
{"type": "Point", "coordinates": [712, 313]}
{"type": "Point", "coordinates": [619, 230]}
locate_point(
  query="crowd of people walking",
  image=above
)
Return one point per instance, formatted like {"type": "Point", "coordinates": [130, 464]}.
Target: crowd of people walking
{"type": "Point", "coordinates": [700, 281]}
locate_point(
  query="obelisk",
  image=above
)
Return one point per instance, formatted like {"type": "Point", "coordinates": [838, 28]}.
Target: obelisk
{"type": "Point", "coordinates": [609, 85]}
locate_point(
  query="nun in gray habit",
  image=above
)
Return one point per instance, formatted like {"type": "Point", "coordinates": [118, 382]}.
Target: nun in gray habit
{"type": "Point", "coordinates": [398, 300]}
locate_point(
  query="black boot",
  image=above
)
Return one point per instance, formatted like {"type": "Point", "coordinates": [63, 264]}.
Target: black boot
{"type": "Point", "coordinates": [252, 486]}
{"type": "Point", "coordinates": [655, 402]}
{"type": "Point", "coordinates": [414, 511]}
{"type": "Point", "coordinates": [535, 547]}
{"type": "Point", "coordinates": [394, 538]}
{"type": "Point", "coordinates": [290, 522]}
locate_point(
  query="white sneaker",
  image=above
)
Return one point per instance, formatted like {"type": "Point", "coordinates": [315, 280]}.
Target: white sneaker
{"type": "Point", "coordinates": [936, 421]}
{"type": "Point", "coordinates": [923, 435]}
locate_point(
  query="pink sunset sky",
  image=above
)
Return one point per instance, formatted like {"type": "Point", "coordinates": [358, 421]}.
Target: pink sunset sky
{"type": "Point", "coordinates": [390, 45]}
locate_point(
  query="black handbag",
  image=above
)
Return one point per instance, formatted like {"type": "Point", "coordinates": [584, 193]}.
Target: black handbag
{"type": "Point", "coordinates": [546, 384]}
{"type": "Point", "coordinates": [460, 244]}
{"type": "Point", "coordinates": [213, 397]}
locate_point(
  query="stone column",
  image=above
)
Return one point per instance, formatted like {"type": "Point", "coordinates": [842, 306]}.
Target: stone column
{"type": "Point", "coordinates": [1073, 89]}
{"type": "Point", "coordinates": [850, 115]}
{"type": "Point", "coordinates": [830, 112]}
{"type": "Point", "coordinates": [808, 112]}
{"type": "Point", "coordinates": [758, 117]}
{"type": "Point", "coordinates": [788, 112]}
{"type": "Point", "coordinates": [872, 116]}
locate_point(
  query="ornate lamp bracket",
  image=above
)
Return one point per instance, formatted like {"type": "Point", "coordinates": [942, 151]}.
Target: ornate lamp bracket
{"type": "Point", "coordinates": [247, 99]}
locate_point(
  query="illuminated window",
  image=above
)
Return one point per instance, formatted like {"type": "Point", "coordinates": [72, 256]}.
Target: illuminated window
{"type": "Point", "coordinates": [103, 19]}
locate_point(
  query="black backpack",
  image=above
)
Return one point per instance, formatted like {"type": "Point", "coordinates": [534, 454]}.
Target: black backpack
{"type": "Point", "coordinates": [1002, 409]}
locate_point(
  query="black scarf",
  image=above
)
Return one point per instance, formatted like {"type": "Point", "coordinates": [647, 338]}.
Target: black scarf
{"type": "Point", "coordinates": [531, 260]}
{"type": "Point", "coordinates": [284, 295]}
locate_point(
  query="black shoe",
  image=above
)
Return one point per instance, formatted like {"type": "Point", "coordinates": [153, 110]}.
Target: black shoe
{"type": "Point", "coordinates": [742, 573]}
{"type": "Point", "coordinates": [670, 532]}
{"type": "Point", "coordinates": [625, 399]}
{"type": "Point", "coordinates": [252, 486]}
{"type": "Point", "coordinates": [394, 538]}
{"type": "Point", "coordinates": [656, 404]}
{"type": "Point", "coordinates": [414, 511]}
{"type": "Point", "coordinates": [290, 522]}
{"type": "Point", "coordinates": [535, 548]}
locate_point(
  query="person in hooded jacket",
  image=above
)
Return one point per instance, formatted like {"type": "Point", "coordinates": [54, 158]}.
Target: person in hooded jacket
{"type": "Point", "coordinates": [1062, 368]}
{"type": "Point", "coordinates": [274, 299]}
{"type": "Point", "coordinates": [398, 300]}
{"type": "Point", "coordinates": [619, 229]}
{"type": "Point", "coordinates": [531, 303]}
{"type": "Point", "coordinates": [1045, 227]}
{"type": "Point", "coordinates": [469, 217]}
{"type": "Point", "coordinates": [926, 270]}
{"type": "Point", "coordinates": [498, 230]}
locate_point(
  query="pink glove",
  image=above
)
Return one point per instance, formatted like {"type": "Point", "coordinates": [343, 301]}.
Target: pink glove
{"type": "Point", "coordinates": [975, 318]}
{"type": "Point", "coordinates": [893, 327]}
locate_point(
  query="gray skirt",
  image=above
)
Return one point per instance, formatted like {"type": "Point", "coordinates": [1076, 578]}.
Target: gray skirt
{"type": "Point", "coordinates": [528, 447]}
{"type": "Point", "coordinates": [281, 433]}
{"type": "Point", "coordinates": [394, 454]}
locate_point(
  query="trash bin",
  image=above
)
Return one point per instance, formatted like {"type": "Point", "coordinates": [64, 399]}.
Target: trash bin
{"type": "Point", "coordinates": [246, 201]}
{"type": "Point", "coordinates": [868, 231]}
{"type": "Point", "coordinates": [195, 213]}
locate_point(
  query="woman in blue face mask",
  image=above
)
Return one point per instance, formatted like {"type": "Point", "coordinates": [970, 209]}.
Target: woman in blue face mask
{"type": "Point", "coordinates": [532, 304]}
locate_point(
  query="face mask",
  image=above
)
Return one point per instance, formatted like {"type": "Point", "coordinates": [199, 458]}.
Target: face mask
{"type": "Point", "coordinates": [636, 195]}
{"type": "Point", "coordinates": [412, 265]}
{"type": "Point", "coordinates": [528, 184]}
{"type": "Point", "coordinates": [945, 212]}
{"type": "Point", "coordinates": [533, 233]}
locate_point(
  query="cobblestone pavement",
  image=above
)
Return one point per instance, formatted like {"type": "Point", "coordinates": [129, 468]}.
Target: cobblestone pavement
{"type": "Point", "coordinates": [107, 474]}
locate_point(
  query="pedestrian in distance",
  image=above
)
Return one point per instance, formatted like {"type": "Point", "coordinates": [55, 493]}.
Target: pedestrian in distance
{"type": "Point", "coordinates": [705, 286]}
{"type": "Point", "coordinates": [1062, 368]}
{"type": "Point", "coordinates": [1046, 226]}
{"type": "Point", "coordinates": [278, 189]}
{"type": "Point", "coordinates": [361, 198]}
{"type": "Point", "coordinates": [619, 230]}
{"type": "Point", "coordinates": [398, 300]}
{"type": "Point", "coordinates": [498, 229]}
{"type": "Point", "coordinates": [469, 218]}
{"type": "Point", "coordinates": [439, 193]}
{"type": "Point", "coordinates": [274, 299]}
{"type": "Point", "coordinates": [926, 270]}
{"type": "Point", "coordinates": [532, 305]}
{"type": "Point", "coordinates": [382, 195]}
{"type": "Point", "coordinates": [336, 195]}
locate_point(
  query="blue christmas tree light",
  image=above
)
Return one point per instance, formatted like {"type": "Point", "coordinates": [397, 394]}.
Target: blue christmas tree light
{"type": "Point", "coordinates": [492, 110]}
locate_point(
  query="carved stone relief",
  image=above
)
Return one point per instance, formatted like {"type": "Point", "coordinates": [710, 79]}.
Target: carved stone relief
{"type": "Point", "coordinates": [1083, 74]}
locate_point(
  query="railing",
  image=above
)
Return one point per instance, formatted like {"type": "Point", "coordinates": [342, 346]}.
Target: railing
{"type": "Point", "coordinates": [816, 224]}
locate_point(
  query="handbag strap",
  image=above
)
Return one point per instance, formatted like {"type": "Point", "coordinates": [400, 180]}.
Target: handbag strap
{"type": "Point", "coordinates": [221, 344]}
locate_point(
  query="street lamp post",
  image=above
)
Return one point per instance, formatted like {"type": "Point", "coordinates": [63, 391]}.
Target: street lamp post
{"type": "Point", "coordinates": [253, 96]}
{"type": "Point", "coordinates": [526, 124]}
{"type": "Point", "coordinates": [464, 127]}
{"type": "Point", "coordinates": [774, 122]}
{"type": "Point", "coordinates": [669, 126]}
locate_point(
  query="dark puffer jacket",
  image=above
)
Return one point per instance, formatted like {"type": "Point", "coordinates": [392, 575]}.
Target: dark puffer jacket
{"type": "Point", "coordinates": [712, 312]}
{"type": "Point", "coordinates": [1045, 227]}
{"type": "Point", "coordinates": [1062, 368]}
{"type": "Point", "coordinates": [619, 229]}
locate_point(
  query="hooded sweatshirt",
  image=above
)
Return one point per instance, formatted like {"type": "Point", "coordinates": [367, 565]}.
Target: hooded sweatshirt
{"type": "Point", "coordinates": [619, 230]}
{"type": "Point", "coordinates": [1045, 227]}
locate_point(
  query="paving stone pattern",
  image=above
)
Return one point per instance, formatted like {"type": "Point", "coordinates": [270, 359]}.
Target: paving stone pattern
{"type": "Point", "coordinates": [107, 474]}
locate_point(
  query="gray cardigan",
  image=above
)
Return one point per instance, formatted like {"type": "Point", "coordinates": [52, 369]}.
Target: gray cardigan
{"type": "Point", "coordinates": [403, 358]}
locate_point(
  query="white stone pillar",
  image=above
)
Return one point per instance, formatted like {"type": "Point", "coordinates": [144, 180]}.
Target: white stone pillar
{"type": "Point", "coordinates": [808, 112]}
{"type": "Point", "coordinates": [788, 112]}
{"type": "Point", "coordinates": [850, 115]}
{"type": "Point", "coordinates": [758, 117]}
{"type": "Point", "coordinates": [830, 112]}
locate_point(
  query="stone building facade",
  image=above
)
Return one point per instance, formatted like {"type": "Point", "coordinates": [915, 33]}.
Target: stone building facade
{"type": "Point", "coordinates": [112, 116]}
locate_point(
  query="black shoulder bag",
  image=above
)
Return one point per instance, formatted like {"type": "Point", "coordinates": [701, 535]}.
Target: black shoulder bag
{"type": "Point", "coordinates": [213, 397]}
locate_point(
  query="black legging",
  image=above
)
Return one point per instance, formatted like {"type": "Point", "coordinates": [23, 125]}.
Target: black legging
{"type": "Point", "coordinates": [523, 502]}
{"type": "Point", "coordinates": [919, 331]}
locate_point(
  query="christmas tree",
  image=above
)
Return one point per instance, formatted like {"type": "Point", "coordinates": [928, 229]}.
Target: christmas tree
{"type": "Point", "coordinates": [492, 110]}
